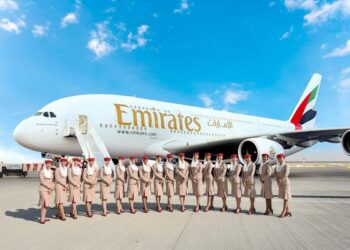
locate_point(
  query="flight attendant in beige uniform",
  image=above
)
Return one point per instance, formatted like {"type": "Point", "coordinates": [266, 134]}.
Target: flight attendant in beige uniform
{"type": "Point", "coordinates": [105, 184]}
{"type": "Point", "coordinates": [170, 180]}
{"type": "Point", "coordinates": [146, 175]}
{"type": "Point", "coordinates": [236, 190]}
{"type": "Point", "coordinates": [284, 192]}
{"type": "Point", "coordinates": [45, 189]}
{"type": "Point", "coordinates": [249, 181]}
{"type": "Point", "coordinates": [220, 169]}
{"type": "Point", "coordinates": [182, 171]}
{"type": "Point", "coordinates": [90, 175]}
{"type": "Point", "coordinates": [159, 180]}
{"type": "Point", "coordinates": [197, 179]}
{"type": "Point", "coordinates": [120, 180]}
{"type": "Point", "coordinates": [74, 178]}
{"type": "Point", "coordinates": [265, 172]}
{"type": "Point", "coordinates": [133, 181]}
{"type": "Point", "coordinates": [209, 182]}
{"type": "Point", "coordinates": [61, 188]}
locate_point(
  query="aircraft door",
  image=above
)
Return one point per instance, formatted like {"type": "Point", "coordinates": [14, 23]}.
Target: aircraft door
{"type": "Point", "coordinates": [83, 124]}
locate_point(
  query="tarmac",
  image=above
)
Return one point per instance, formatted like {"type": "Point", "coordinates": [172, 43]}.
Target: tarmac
{"type": "Point", "coordinates": [320, 219]}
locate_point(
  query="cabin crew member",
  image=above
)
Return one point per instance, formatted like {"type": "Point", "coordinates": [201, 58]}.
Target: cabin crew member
{"type": "Point", "coordinates": [159, 180]}
{"type": "Point", "coordinates": [45, 189]}
{"type": "Point", "coordinates": [105, 184]}
{"type": "Point", "coordinates": [197, 179]}
{"type": "Point", "coordinates": [219, 176]}
{"type": "Point", "coordinates": [146, 175]}
{"type": "Point", "coordinates": [119, 193]}
{"type": "Point", "coordinates": [133, 181]}
{"type": "Point", "coordinates": [236, 190]}
{"type": "Point", "coordinates": [265, 171]}
{"type": "Point", "coordinates": [74, 178]}
{"type": "Point", "coordinates": [61, 174]}
{"type": "Point", "coordinates": [249, 181]}
{"type": "Point", "coordinates": [209, 181]}
{"type": "Point", "coordinates": [284, 192]}
{"type": "Point", "coordinates": [90, 179]}
{"type": "Point", "coordinates": [170, 180]}
{"type": "Point", "coordinates": [182, 171]}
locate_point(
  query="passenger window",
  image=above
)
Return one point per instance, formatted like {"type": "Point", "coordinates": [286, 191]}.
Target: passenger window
{"type": "Point", "coordinates": [46, 114]}
{"type": "Point", "coordinates": [52, 114]}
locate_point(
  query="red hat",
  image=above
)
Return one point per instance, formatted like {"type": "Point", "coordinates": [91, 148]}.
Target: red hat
{"type": "Point", "coordinates": [48, 161]}
{"type": "Point", "coordinates": [107, 158]}
{"type": "Point", "coordinates": [220, 154]}
{"type": "Point", "coordinates": [133, 157]}
{"type": "Point", "coordinates": [121, 157]}
{"type": "Point", "coordinates": [247, 156]}
{"type": "Point", "coordinates": [181, 154]}
{"type": "Point", "coordinates": [145, 157]}
{"type": "Point", "coordinates": [159, 156]}
{"type": "Point", "coordinates": [76, 159]}
{"type": "Point", "coordinates": [91, 159]}
{"type": "Point", "coordinates": [208, 154]}
{"type": "Point", "coordinates": [57, 158]}
{"type": "Point", "coordinates": [234, 155]}
{"type": "Point", "coordinates": [195, 153]}
{"type": "Point", "coordinates": [281, 155]}
{"type": "Point", "coordinates": [265, 154]}
{"type": "Point", "coordinates": [169, 156]}
{"type": "Point", "coordinates": [63, 159]}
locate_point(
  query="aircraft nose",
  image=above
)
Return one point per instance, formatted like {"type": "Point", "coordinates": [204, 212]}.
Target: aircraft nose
{"type": "Point", "coordinates": [20, 133]}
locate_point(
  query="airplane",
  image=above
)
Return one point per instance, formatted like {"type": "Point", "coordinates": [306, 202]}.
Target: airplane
{"type": "Point", "coordinates": [101, 125]}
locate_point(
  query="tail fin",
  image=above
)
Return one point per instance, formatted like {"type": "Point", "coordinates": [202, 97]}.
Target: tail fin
{"type": "Point", "coordinates": [304, 114]}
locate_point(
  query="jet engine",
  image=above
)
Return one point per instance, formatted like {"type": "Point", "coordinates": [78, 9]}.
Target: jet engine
{"type": "Point", "coordinates": [345, 142]}
{"type": "Point", "coordinates": [258, 146]}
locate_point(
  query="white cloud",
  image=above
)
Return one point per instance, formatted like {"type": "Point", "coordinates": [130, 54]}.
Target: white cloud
{"type": "Point", "coordinates": [155, 15]}
{"type": "Point", "coordinates": [340, 51]}
{"type": "Point", "coordinates": [323, 46]}
{"type": "Point", "coordinates": [70, 18]}
{"type": "Point", "coordinates": [206, 100]}
{"type": "Point", "coordinates": [99, 41]}
{"type": "Point", "coordinates": [271, 4]}
{"type": "Point", "coordinates": [110, 10]}
{"type": "Point", "coordinates": [137, 40]}
{"type": "Point", "coordinates": [232, 97]}
{"type": "Point", "coordinates": [8, 5]}
{"type": "Point", "coordinates": [287, 33]}
{"type": "Point", "coordinates": [300, 4]}
{"type": "Point", "coordinates": [345, 71]}
{"type": "Point", "coordinates": [184, 7]}
{"type": "Point", "coordinates": [345, 84]}
{"type": "Point", "coordinates": [10, 26]}
{"type": "Point", "coordinates": [40, 30]}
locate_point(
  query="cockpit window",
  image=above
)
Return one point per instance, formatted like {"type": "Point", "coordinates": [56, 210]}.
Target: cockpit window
{"type": "Point", "coordinates": [38, 114]}
{"type": "Point", "coordinates": [46, 114]}
{"type": "Point", "coordinates": [52, 114]}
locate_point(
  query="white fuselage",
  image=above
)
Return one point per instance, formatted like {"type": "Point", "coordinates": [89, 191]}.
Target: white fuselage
{"type": "Point", "coordinates": [130, 125]}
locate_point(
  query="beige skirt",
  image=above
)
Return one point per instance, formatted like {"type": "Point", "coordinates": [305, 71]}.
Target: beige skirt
{"type": "Point", "coordinates": [181, 188]}
{"type": "Point", "coordinates": [249, 190]}
{"type": "Point", "coordinates": [74, 193]}
{"type": "Point", "coordinates": [284, 192]}
{"type": "Point", "coordinates": [89, 193]}
{"type": "Point", "coordinates": [197, 187]}
{"type": "Point", "coordinates": [266, 189]}
{"type": "Point", "coordinates": [105, 191]}
{"type": "Point", "coordinates": [236, 190]}
{"type": "Point", "coordinates": [209, 183]}
{"type": "Point", "coordinates": [158, 188]}
{"type": "Point", "coordinates": [44, 199]}
{"type": "Point", "coordinates": [221, 189]}
{"type": "Point", "coordinates": [61, 195]}
{"type": "Point", "coordinates": [133, 191]}
{"type": "Point", "coordinates": [170, 189]}
{"type": "Point", "coordinates": [119, 192]}
{"type": "Point", "coordinates": [145, 191]}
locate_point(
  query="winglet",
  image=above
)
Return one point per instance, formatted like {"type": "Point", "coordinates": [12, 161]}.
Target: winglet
{"type": "Point", "coordinates": [304, 114]}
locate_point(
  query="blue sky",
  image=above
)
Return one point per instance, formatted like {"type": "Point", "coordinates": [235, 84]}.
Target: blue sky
{"type": "Point", "coordinates": [253, 57]}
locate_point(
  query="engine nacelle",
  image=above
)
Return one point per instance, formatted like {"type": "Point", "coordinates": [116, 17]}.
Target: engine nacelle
{"type": "Point", "coordinates": [258, 146]}
{"type": "Point", "coordinates": [345, 142]}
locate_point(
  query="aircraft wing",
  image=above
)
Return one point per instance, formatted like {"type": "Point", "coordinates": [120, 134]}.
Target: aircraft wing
{"type": "Point", "coordinates": [301, 138]}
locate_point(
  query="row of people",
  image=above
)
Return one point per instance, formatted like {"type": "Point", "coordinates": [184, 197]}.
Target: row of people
{"type": "Point", "coordinates": [138, 180]}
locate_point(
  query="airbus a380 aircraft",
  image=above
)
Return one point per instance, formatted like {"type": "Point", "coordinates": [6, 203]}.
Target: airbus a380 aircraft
{"type": "Point", "coordinates": [101, 125]}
